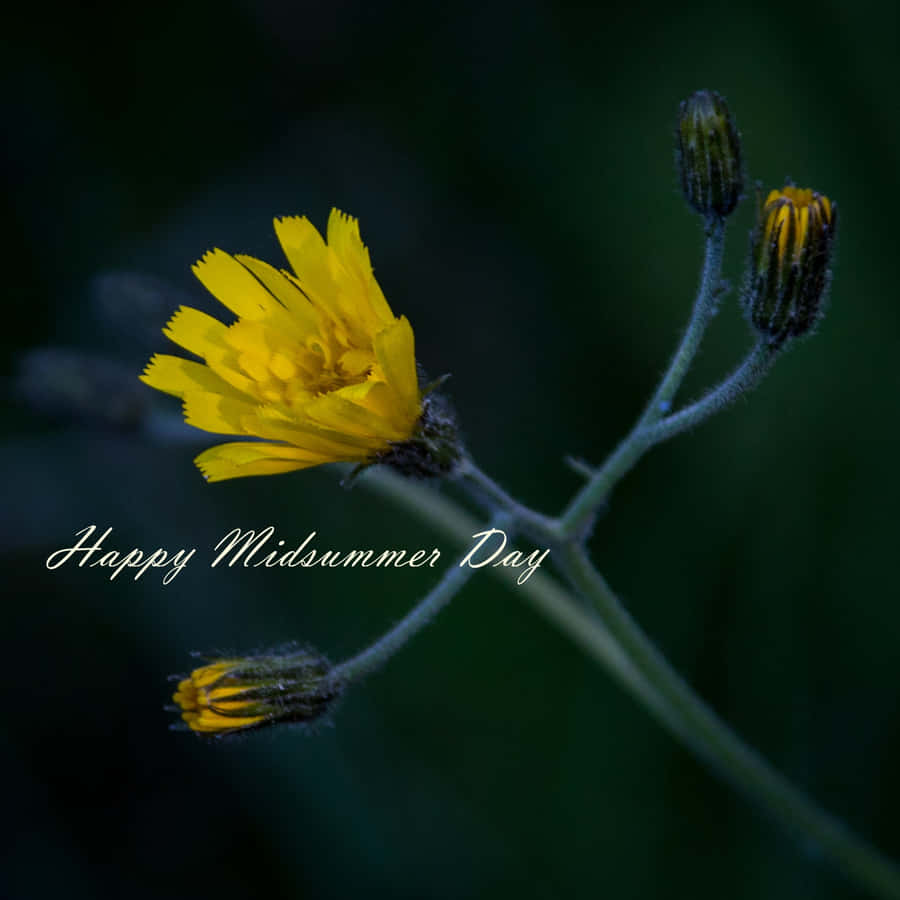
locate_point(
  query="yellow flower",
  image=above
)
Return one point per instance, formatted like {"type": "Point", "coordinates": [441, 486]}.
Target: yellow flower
{"type": "Point", "coordinates": [244, 693]}
{"type": "Point", "coordinates": [316, 369]}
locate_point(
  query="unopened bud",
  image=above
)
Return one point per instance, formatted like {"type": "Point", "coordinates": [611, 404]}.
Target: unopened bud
{"type": "Point", "coordinates": [788, 273]}
{"type": "Point", "coordinates": [246, 693]}
{"type": "Point", "coordinates": [709, 155]}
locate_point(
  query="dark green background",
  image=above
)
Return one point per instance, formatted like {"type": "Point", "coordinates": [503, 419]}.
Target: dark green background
{"type": "Point", "coordinates": [511, 166]}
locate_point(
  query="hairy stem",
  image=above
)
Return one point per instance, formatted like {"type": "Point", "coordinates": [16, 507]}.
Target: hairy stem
{"type": "Point", "coordinates": [580, 624]}
{"type": "Point", "coordinates": [376, 655]}
{"type": "Point", "coordinates": [704, 309]}
{"type": "Point", "coordinates": [611, 637]}
{"type": "Point", "coordinates": [490, 496]}
{"type": "Point", "coordinates": [744, 378]}
{"type": "Point", "coordinates": [578, 512]}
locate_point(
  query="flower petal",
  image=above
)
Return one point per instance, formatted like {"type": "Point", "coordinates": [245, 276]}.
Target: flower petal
{"type": "Point", "coordinates": [321, 276]}
{"type": "Point", "coordinates": [336, 411]}
{"type": "Point", "coordinates": [177, 376]}
{"type": "Point", "coordinates": [311, 436]}
{"type": "Point", "coordinates": [231, 284]}
{"type": "Point", "coordinates": [396, 354]}
{"type": "Point", "coordinates": [344, 239]}
{"type": "Point", "coordinates": [381, 399]}
{"type": "Point", "coordinates": [308, 256]}
{"type": "Point", "coordinates": [284, 290]}
{"type": "Point", "coordinates": [196, 331]}
{"type": "Point", "coordinates": [213, 412]}
{"type": "Point", "coordinates": [242, 458]}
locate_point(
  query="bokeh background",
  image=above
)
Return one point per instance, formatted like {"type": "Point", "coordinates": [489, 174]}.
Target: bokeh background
{"type": "Point", "coordinates": [512, 168]}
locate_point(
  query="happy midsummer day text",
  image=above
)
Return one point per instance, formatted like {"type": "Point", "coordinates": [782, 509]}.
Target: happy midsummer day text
{"type": "Point", "coordinates": [255, 549]}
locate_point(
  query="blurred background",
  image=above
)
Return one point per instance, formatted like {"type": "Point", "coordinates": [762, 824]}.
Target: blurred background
{"type": "Point", "coordinates": [511, 165]}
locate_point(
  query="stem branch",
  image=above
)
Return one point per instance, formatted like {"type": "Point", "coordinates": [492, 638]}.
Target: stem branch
{"type": "Point", "coordinates": [376, 655]}
{"type": "Point", "coordinates": [744, 378]}
{"type": "Point", "coordinates": [635, 444]}
{"type": "Point", "coordinates": [544, 593]}
{"type": "Point", "coordinates": [489, 495]}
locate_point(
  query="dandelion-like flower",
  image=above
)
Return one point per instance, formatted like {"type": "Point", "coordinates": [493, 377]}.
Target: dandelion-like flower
{"type": "Point", "coordinates": [788, 273]}
{"type": "Point", "coordinates": [246, 693]}
{"type": "Point", "coordinates": [316, 369]}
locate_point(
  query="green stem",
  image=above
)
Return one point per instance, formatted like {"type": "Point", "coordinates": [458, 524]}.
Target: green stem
{"type": "Point", "coordinates": [489, 495]}
{"type": "Point", "coordinates": [635, 444]}
{"type": "Point", "coordinates": [615, 641]}
{"type": "Point", "coordinates": [704, 309]}
{"type": "Point", "coordinates": [619, 645]}
{"type": "Point", "coordinates": [581, 625]}
{"type": "Point", "coordinates": [746, 377]}
{"type": "Point", "coordinates": [375, 656]}
{"type": "Point", "coordinates": [642, 437]}
{"type": "Point", "coordinates": [720, 746]}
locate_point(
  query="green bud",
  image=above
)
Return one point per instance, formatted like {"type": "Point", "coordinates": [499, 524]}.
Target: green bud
{"type": "Point", "coordinates": [788, 273]}
{"type": "Point", "coordinates": [709, 155]}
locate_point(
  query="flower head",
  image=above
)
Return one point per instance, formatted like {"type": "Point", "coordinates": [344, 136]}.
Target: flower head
{"type": "Point", "coordinates": [789, 262]}
{"type": "Point", "coordinates": [709, 155]}
{"type": "Point", "coordinates": [316, 369]}
{"type": "Point", "coordinates": [240, 694]}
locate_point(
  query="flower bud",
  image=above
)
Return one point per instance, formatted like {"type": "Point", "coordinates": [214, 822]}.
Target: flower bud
{"type": "Point", "coordinates": [788, 272]}
{"type": "Point", "coordinates": [245, 693]}
{"type": "Point", "coordinates": [709, 155]}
